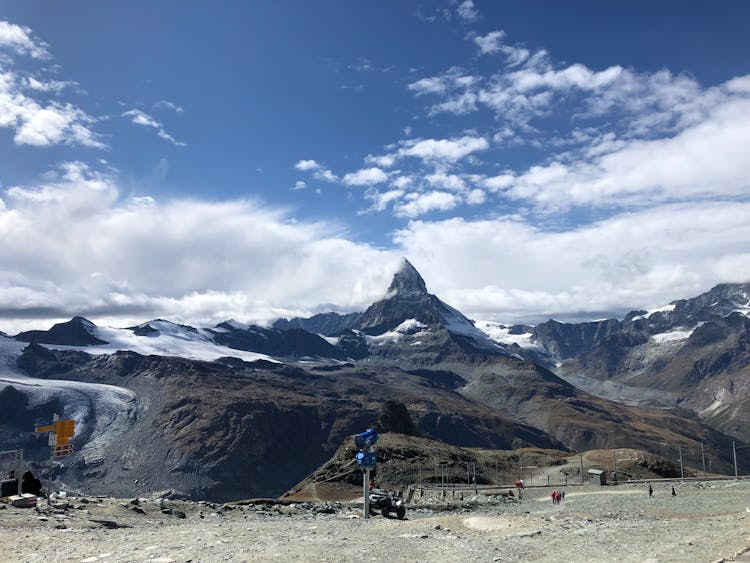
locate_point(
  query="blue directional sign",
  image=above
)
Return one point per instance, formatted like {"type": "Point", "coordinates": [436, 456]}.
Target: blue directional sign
{"type": "Point", "coordinates": [366, 439]}
{"type": "Point", "coordinates": [366, 460]}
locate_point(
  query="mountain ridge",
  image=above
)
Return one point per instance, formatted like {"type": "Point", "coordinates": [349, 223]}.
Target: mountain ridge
{"type": "Point", "coordinates": [194, 408]}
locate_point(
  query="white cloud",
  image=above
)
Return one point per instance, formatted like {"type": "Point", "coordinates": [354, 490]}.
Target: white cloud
{"type": "Point", "coordinates": [458, 105]}
{"type": "Point", "coordinates": [365, 177]}
{"type": "Point", "coordinates": [573, 76]}
{"type": "Point", "coordinates": [381, 200]}
{"type": "Point", "coordinates": [446, 181]}
{"type": "Point", "coordinates": [490, 43]}
{"type": "Point", "coordinates": [530, 85]}
{"type": "Point", "coordinates": [56, 86]}
{"type": "Point", "coordinates": [705, 160]}
{"type": "Point", "coordinates": [454, 79]}
{"type": "Point", "coordinates": [42, 125]}
{"type": "Point", "coordinates": [443, 150]}
{"type": "Point", "coordinates": [306, 165]}
{"type": "Point", "coordinates": [169, 105]}
{"type": "Point", "coordinates": [299, 185]}
{"type": "Point", "coordinates": [499, 182]}
{"type": "Point", "coordinates": [78, 247]}
{"type": "Point", "coordinates": [317, 169]}
{"type": "Point", "coordinates": [142, 118]}
{"type": "Point", "coordinates": [431, 85]}
{"type": "Point", "coordinates": [466, 11]}
{"type": "Point", "coordinates": [402, 181]}
{"type": "Point", "coordinates": [476, 197]}
{"type": "Point", "coordinates": [417, 204]}
{"type": "Point", "coordinates": [384, 161]}
{"type": "Point", "coordinates": [508, 270]}
{"type": "Point", "coordinates": [325, 174]}
{"type": "Point", "coordinates": [19, 39]}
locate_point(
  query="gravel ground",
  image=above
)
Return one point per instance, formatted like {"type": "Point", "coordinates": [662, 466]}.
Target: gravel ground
{"type": "Point", "coordinates": [704, 522]}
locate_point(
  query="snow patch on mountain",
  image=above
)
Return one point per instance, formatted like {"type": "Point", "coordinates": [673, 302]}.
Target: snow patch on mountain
{"type": "Point", "coordinates": [332, 340]}
{"type": "Point", "coordinates": [166, 339]}
{"type": "Point", "coordinates": [457, 323]}
{"type": "Point", "coordinates": [673, 335]}
{"type": "Point", "coordinates": [410, 327]}
{"type": "Point", "coordinates": [502, 334]}
{"type": "Point", "coordinates": [665, 309]}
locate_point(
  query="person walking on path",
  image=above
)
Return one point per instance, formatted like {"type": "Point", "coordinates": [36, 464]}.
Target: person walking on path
{"type": "Point", "coordinates": [650, 491]}
{"type": "Point", "coordinates": [674, 494]}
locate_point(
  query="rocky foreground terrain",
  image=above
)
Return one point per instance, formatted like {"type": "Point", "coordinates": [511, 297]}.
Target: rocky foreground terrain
{"type": "Point", "coordinates": [706, 521]}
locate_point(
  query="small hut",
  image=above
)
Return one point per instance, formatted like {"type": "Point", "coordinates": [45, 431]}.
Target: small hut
{"type": "Point", "coordinates": [597, 477]}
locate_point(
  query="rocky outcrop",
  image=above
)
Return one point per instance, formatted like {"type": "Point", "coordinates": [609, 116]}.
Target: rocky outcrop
{"type": "Point", "coordinates": [329, 324]}
{"type": "Point", "coordinates": [394, 417]}
{"type": "Point", "coordinates": [76, 332]}
{"type": "Point", "coordinates": [274, 342]}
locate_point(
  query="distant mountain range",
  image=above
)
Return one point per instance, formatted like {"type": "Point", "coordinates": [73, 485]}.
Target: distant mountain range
{"type": "Point", "coordinates": [234, 410]}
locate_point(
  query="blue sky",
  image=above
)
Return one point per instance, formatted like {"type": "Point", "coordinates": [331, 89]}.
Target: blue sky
{"type": "Point", "coordinates": [256, 159]}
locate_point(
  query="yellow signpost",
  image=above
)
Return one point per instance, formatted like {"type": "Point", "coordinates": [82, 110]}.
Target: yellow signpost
{"type": "Point", "coordinates": [60, 433]}
{"type": "Point", "coordinates": [63, 431]}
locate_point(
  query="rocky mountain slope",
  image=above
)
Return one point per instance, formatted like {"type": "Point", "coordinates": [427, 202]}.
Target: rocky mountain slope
{"type": "Point", "coordinates": [693, 354]}
{"type": "Point", "coordinates": [233, 429]}
{"type": "Point", "coordinates": [237, 411]}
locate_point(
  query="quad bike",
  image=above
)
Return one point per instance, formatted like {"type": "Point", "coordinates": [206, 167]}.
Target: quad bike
{"type": "Point", "coordinates": [387, 502]}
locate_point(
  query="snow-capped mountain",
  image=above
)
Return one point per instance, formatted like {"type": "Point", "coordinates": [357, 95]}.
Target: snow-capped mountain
{"type": "Point", "coordinates": [693, 353]}
{"type": "Point", "coordinates": [166, 405]}
{"type": "Point", "coordinates": [157, 337]}
{"type": "Point", "coordinates": [407, 299]}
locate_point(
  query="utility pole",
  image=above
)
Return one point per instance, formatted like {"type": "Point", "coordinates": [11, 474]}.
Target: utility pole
{"type": "Point", "coordinates": [734, 452]}
{"type": "Point", "coordinates": [442, 477]}
{"type": "Point", "coordinates": [614, 467]}
{"type": "Point", "coordinates": [581, 454]}
{"type": "Point", "coordinates": [703, 457]}
{"type": "Point", "coordinates": [682, 472]}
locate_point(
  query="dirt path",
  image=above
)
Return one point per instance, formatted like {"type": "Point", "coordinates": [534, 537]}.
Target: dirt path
{"type": "Point", "coordinates": [705, 522]}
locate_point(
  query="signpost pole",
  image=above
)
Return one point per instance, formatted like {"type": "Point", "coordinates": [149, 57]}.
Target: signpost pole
{"type": "Point", "coordinates": [52, 444]}
{"type": "Point", "coordinates": [365, 458]}
{"type": "Point", "coordinates": [365, 492]}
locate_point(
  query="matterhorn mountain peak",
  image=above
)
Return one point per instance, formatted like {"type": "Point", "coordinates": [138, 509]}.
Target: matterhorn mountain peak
{"type": "Point", "coordinates": [407, 282]}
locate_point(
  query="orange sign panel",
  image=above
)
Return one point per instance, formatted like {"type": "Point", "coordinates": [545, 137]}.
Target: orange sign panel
{"type": "Point", "coordinates": [65, 430]}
